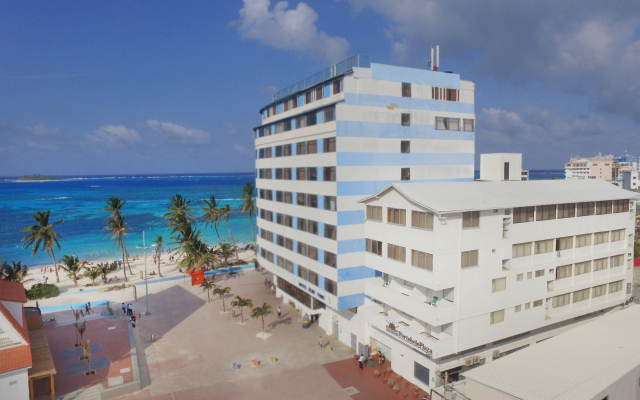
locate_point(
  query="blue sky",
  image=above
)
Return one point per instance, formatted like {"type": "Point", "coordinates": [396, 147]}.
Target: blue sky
{"type": "Point", "coordinates": [175, 87]}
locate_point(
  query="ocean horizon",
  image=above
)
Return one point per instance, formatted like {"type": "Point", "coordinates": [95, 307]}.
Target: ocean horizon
{"type": "Point", "coordinates": [79, 200]}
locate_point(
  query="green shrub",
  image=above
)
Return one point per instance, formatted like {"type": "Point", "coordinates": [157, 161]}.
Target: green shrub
{"type": "Point", "coordinates": [42, 291]}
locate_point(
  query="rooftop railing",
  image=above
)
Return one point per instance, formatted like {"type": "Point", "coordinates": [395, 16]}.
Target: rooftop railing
{"type": "Point", "coordinates": [329, 73]}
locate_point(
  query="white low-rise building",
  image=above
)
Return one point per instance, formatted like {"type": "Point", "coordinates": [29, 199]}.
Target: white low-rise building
{"type": "Point", "coordinates": [630, 179]}
{"type": "Point", "coordinates": [597, 360]}
{"type": "Point", "coordinates": [469, 272]}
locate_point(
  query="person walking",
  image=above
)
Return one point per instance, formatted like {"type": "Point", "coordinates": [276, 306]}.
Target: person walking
{"type": "Point", "coordinates": [129, 309]}
{"type": "Point", "coordinates": [320, 341]}
{"type": "Point", "coordinates": [86, 308]}
{"type": "Point", "coordinates": [266, 283]}
{"type": "Point", "coordinates": [89, 306]}
{"type": "Point", "coordinates": [124, 309]}
{"type": "Point", "coordinates": [361, 361]}
{"type": "Point", "coordinates": [133, 321]}
{"type": "Point", "coordinates": [279, 312]}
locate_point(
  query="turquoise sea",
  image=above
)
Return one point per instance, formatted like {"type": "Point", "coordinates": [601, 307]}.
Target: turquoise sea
{"type": "Point", "coordinates": [80, 199]}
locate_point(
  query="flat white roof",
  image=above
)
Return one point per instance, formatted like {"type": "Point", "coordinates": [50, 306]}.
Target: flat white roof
{"type": "Point", "coordinates": [577, 364]}
{"type": "Point", "coordinates": [449, 197]}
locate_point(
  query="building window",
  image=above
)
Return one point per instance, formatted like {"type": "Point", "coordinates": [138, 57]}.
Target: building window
{"type": "Point", "coordinates": [301, 174]}
{"type": "Point", "coordinates": [581, 295]}
{"type": "Point", "coordinates": [539, 273]}
{"type": "Point", "coordinates": [521, 250]}
{"type": "Point", "coordinates": [330, 231]}
{"type": "Point", "coordinates": [601, 237]}
{"type": "Point", "coordinates": [603, 207]}
{"type": "Point", "coordinates": [337, 86]}
{"type": "Point", "coordinates": [471, 219]}
{"type": "Point", "coordinates": [288, 265]}
{"type": "Point", "coordinates": [544, 213]}
{"type": "Point", "coordinates": [561, 300]}
{"type": "Point", "coordinates": [599, 290]}
{"type": "Point", "coordinates": [329, 145]}
{"type": "Point", "coordinates": [497, 317]}
{"type": "Point", "coordinates": [537, 303]}
{"type": "Point", "coordinates": [469, 258]}
{"type": "Point", "coordinates": [447, 124]}
{"type": "Point", "coordinates": [468, 125]}
{"type": "Point", "coordinates": [312, 227]}
{"type": "Point", "coordinates": [319, 93]}
{"type": "Point", "coordinates": [406, 90]}
{"type": "Point", "coordinates": [498, 285]}
{"type": "Point", "coordinates": [406, 120]}
{"type": "Point", "coordinates": [620, 206]}
{"type": "Point", "coordinates": [330, 259]}
{"type": "Point", "coordinates": [617, 235]}
{"type": "Point", "coordinates": [288, 243]}
{"type": "Point", "coordinates": [329, 114]}
{"type": "Point", "coordinates": [312, 146]}
{"type": "Point", "coordinates": [396, 252]}
{"type": "Point", "coordinates": [286, 174]}
{"type": "Point", "coordinates": [523, 214]}
{"type": "Point", "coordinates": [313, 252]}
{"type": "Point", "coordinates": [279, 173]}
{"type": "Point", "coordinates": [519, 277]}
{"type": "Point", "coordinates": [518, 308]}
{"type": "Point", "coordinates": [583, 240]}
{"type": "Point", "coordinates": [374, 246]}
{"type": "Point", "coordinates": [422, 220]}
{"type": "Point", "coordinates": [330, 286]}
{"type": "Point", "coordinates": [302, 272]}
{"type": "Point", "coordinates": [585, 209]}
{"type": "Point", "coordinates": [438, 93]}
{"type": "Point", "coordinates": [563, 272]}
{"type": "Point", "coordinates": [312, 200]}
{"type": "Point", "coordinates": [330, 203]}
{"type": "Point", "coordinates": [600, 264]}
{"type": "Point", "coordinates": [396, 216]}
{"type": "Point", "coordinates": [374, 213]}
{"type": "Point", "coordinates": [329, 174]}
{"type": "Point", "coordinates": [302, 224]}
{"type": "Point", "coordinates": [583, 268]}
{"type": "Point", "coordinates": [308, 97]}
{"type": "Point", "coordinates": [405, 174]}
{"type": "Point", "coordinates": [286, 150]}
{"type": "Point", "coordinates": [564, 243]}
{"type": "Point", "coordinates": [288, 197]}
{"type": "Point", "coordinates": [617, 261]}
{"type": "Point", "coordinates": [279, 151]}
{"type": "Point", "coordinates": [529, 275]}
{"type": "Point", "coordinates": [615, 287]}
{"type": "Point", "coordinates": [544, 246]}
{"type": "Point", "coordinates": [312, 173]}
{"type": "Point", "coordinates": [301, 148]}
{"type": "Point", "coordinates": [405, 146]}
{"type": "Point", "coordinates": [422, 260]}
{"type": "Point", "coordinates": [313, 277]}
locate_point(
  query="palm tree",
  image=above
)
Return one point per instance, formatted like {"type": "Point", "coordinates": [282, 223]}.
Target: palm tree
{"type": "Point", "coordinates": [114, 206]}
{"type": "Point", "coordinates": [42, 233]}
{"type": "Point", "coordinates": [92, 273]}
{"type": "Point", "coordinates": [222, 292]}
{"type": "Point", "coordinates": [179, 212]}
{"type": "Point", "coordinates": [16, 272]}
{"type": "Point", "coordinates": [118, 229]}
{"type": "Point", "coordinates": [241, 303]}
{"type": "Point", "coordinates": [72, 266]}
{"type": "Point", "coordinates": [86, 350]}
{"type": "Point", "coordinates": [248, 205]}
{"type": "Point", "coordinates": [158, 243]}
{"type": "Point", "coordinates": [198, 255]}
{"type": "Point", "coordinates": [227, 250]}
{"type": "Point", "coordinates": [225, 213]}
{"type": "Point", "coordinates": [211, 214]}
{"type": "Point", "coordinates": [262, 312]}
{"type": "Point", "coordinates": [207, 285]}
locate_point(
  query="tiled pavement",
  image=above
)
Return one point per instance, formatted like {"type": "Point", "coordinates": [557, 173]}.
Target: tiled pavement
{"type": "Point", "coordinates": [108, 363]}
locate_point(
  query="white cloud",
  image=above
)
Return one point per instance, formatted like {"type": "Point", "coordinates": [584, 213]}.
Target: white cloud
{"type": "Point", "coordinates": [289, 29]}
{"type": "Point", "coordinates": [114, 137]}
{"type": "Point", "coordinates": [241, 149]}
{"type": "Point", "coordinates": [178, 133]}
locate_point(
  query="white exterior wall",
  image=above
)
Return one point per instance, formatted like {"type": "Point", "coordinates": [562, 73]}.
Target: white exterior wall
{"type": "Point", "coordinates": [630, 180]}
{"type": "Point", "coordinates": [14, 385]}
{"type": "Point", "coordinates": [473, 300]}
{"type": "Point", "coordinates": [492, 166]}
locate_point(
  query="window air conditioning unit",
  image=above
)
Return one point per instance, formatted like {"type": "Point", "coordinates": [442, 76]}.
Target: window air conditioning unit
{"type": "Point", "coordinates": [496, 354]}
{"type": "Point", "coordinates": [476, 360]}
{"type": "Point", "coordinates": [468, 362]}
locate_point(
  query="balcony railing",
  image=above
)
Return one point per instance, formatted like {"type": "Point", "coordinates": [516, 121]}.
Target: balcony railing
{"type": "Point", "coordinates": [329, 73]}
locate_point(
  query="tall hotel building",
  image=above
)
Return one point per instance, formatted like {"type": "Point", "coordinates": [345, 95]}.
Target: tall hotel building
{"type": "Point", "coordinates": [332, 139]}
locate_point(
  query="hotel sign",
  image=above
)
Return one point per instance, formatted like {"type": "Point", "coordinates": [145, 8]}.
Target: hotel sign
{"type": "Point", "coordinates": [391, 328]}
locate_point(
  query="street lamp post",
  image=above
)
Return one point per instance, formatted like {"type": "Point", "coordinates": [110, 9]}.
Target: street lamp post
{"type": "Point", "coordinates": [146, 279]}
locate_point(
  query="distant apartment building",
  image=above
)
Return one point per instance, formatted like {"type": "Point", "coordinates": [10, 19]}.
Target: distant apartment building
{"type": "Point", "coordinates": [608, 167]}
{"type": "Point", "coordinates": [630, 180]}
{"type": "Point", "coordinates": [332, 139]}
{"type": "Point", "coordinates": [470, 272]}
{"type": "Point", "coordinates": [502, 167]}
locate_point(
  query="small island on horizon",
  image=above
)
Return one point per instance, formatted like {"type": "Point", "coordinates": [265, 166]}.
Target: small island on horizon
{"type": "Point", "coordinates": [38, 177]}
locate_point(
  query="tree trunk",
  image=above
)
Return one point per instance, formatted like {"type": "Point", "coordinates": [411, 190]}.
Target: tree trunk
{"type": "Point", "coordinates": [75, 280]}
{"type": "Point", "coordinates": [254, 232]}
{"type": "Point", "coordinates": [232, 239]}
{"type": "Point", "coordinates": [215, 225]}
{"type": "Point", "coordinates": [55, 266]}
{"type": "Point", "coordinates": [127, 259]}
{"type": "Point", "coordinates": [224, 308]}
{"type": "Point", "coordinates": [158, 260]}
{"type": "Point", "coordinates": [262, 323]}
{"type": "Point", "coordinates": [124, 268]}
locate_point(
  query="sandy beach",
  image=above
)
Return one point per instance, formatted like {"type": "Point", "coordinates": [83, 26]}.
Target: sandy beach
{"type": "Point", "coordinates": [167, 268]}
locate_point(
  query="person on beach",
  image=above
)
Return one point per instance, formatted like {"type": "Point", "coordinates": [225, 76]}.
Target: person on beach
{"type": "Point", "coordinates": [38, 282]}
{"type": "Point", "coordinates": [320, 341]}
{"type": "Point", "coordinates": [133, 321]}
{"type": "Point", "coordinates": [361, 361]}
{"type": "Point", "coordinates": [266, 283]}
{"type": "Point", "coordinates": [279, 312]}
{"type": "Point", "coordinates": [124, 309]}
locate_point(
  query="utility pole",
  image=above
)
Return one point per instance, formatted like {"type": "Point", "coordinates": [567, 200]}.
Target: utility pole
{"type": "Point", "coordinates": [146, 279]}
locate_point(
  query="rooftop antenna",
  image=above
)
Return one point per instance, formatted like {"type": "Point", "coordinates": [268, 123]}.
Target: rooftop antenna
{"type": "Point", "coordinates": [437, 57]}
{"type": "Point", "coordinates": [431, 64]}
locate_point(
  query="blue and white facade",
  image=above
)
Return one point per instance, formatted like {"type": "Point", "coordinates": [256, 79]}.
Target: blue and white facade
{"type": "Point", "coordinates": [332, 140]}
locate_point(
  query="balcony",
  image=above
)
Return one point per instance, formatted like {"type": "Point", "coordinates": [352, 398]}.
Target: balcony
{"type": "Point", "coordinates": [421, 342]}
{"type": "Point", "coordinates": [442, 313]}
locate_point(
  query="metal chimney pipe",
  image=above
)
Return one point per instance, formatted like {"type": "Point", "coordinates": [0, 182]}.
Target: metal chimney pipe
{"type": "Point", "coordinates": [432, 65]}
